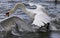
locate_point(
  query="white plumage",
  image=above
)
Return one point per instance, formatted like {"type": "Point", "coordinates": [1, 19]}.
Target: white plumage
{"type": "Point", "coordinates": [41, 16]}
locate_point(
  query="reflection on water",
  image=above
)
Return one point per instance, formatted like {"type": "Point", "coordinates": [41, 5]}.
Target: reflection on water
{"type": "Point", "coordinates": [37, 35]}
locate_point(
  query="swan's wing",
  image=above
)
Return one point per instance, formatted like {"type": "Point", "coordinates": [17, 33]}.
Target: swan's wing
{"type": "Point", "coordinates": [39, 19]}
{"type": "Point", "coordinates": [41, 16]}
{"type": "Point", "coordinates": [9, 22]}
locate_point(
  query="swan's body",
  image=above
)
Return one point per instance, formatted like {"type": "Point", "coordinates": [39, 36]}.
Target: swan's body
{"type": "Point", "coordinates": [39, 14]}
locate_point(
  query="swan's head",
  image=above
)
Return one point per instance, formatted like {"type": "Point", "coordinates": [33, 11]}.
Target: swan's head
{"type": "Point", "coordinates": [7, 14]}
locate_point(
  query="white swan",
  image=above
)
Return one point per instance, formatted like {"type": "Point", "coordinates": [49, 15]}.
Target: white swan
{"type": "Point", "coordinates": [39, 14]}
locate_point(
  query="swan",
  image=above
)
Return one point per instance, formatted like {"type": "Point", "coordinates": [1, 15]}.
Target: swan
{"type": "Point", "coordinates": [39, 14]}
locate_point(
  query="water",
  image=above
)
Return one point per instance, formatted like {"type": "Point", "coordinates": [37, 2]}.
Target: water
{"type": "Point", "coordinates": [37, 35]}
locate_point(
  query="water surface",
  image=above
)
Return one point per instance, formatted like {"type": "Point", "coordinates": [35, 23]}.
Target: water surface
{"type": "Point", "coordinates": [37, 35]}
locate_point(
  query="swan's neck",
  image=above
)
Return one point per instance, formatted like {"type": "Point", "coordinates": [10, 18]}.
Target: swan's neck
{"type": "Point", "coordinates": [22, 6]}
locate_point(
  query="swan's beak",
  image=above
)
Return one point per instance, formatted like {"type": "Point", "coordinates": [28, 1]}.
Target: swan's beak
{"type": "Point", "coordinates": [7, 14]}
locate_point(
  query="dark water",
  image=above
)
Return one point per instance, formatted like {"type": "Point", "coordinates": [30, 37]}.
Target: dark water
{"type": "Point", "coordinates": [37, 35]}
